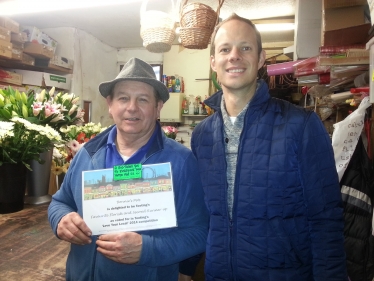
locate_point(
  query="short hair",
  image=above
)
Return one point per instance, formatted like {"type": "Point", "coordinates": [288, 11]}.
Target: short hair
{"type": "Point", "coordinates": [236, 17]}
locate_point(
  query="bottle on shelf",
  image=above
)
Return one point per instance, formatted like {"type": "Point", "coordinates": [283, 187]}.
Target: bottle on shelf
{"type": "Point", "coordinates": [177, 87]}
{"type": "Point", "coordinates": [165, 80]}
{"type": "Point", "coordinates": [173, 83]}
{"type": "Point", "coordinates": [170, 84]}
{"type": "Point", "coordinates": [185, 103]}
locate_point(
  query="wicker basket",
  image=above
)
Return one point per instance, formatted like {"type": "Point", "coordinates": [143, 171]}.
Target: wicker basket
{"type": "Point", "coordinates": [158, 40]}
{"type": "Point", "coordinates": [198, 15]}
{"type": "Point", "coordinates": [195, 37]}
{"type": "Point", "coordinates": [157, 29]}
{"type": "Point", "coordinates": [197, 24]}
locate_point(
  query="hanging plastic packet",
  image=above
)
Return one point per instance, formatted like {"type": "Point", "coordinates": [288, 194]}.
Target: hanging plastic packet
{"type": "Point", "coordinates": [346, 135]}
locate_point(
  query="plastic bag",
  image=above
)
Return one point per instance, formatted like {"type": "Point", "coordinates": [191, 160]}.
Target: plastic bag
{"type": "Point", "coordinates": [346, 135]}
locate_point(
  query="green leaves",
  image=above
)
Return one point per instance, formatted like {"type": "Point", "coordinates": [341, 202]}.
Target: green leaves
{"type": "Point", "coordinates": [13, 103]}
{"type": "Point", "coordinates": [4, 114]}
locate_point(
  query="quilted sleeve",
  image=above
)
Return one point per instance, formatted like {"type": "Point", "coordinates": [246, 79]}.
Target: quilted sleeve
{"type": "Point", "coordinates": [323, 201]}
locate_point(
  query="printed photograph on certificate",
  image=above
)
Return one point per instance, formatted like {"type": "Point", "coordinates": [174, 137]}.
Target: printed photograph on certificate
{"type": "Point", "coordinates": [136, 204]}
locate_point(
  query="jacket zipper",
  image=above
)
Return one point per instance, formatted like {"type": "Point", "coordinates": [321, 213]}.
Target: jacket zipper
{"type": "Point", "coordinates": [234, 206]}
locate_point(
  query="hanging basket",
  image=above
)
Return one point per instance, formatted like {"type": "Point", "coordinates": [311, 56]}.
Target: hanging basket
{"type": "Point", "coordinates": [158, 40]}
{"type": "Point", "coordinates": [197, 24]}
{"type": "Point", "coordinates": [157, 29]}
{"type": "Point", "coordinates": [198, 15]}
{"type": "Point", "coordinates": [195, 37]}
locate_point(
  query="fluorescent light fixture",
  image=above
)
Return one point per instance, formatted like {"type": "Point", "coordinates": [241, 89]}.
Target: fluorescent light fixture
{"type": "Point", "coordinates": [16, 7]}
{"type": "Point", "coordinates": [264, 27]}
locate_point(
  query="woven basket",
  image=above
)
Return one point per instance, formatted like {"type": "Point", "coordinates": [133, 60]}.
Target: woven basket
{"type": "Point", "coordinates": [197, 24]}
{"type": "Point", "coordinates": [157, 29]}
{"type": "Point", "coordinates": [198, 15]}
{"type": "Point", "coordinates": [158, 40]}
{"type": "Point", "coordinates": [195, 37]}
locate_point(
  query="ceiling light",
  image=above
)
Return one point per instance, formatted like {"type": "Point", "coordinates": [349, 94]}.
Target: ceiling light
{"type": "Point", "coordinates": [264, 27]}
{"type": "Point", "coordinates": [16, 7]}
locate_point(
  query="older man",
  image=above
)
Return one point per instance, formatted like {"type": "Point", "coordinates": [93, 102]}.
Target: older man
{"type": "Point", "coordinates": [135, 98]}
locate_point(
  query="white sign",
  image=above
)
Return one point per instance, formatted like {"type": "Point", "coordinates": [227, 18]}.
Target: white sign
{"type": "Point", "coordinates": [129, 205]}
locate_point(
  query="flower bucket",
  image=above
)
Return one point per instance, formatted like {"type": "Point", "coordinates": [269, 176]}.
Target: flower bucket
{"type": "Point", "coordinates": [12, 187]}
{"type": "Point", "coordinates": [37, 180]}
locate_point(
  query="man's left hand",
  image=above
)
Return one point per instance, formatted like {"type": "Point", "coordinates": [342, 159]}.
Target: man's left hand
{"type": "Point", "coordinates": [122, 247]}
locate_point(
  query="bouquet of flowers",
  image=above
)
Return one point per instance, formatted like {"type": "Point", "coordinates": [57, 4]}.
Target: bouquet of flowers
{"type": "Point", "coordinates": [57, 110]}
{"type": "Point", "coordinates": [43, 108]}
{"type": "Point", "coordinates": [22, 141]}
{"type": "Point", "coordinates": [75, 137]}
{"type": "Point", "coordinates": [170, 131]}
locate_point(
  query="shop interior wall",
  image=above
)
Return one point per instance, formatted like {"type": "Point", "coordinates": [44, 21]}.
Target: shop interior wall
{"type": "Point", "coordinates": [94, 62]}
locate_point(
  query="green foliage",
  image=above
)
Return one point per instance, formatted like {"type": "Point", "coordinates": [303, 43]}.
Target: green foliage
{"type": "Point", "coordinates": [22, 141]}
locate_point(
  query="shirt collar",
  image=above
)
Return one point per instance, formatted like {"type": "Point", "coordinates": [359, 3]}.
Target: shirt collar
{"type": "Point", "coordinates": [114, 158]}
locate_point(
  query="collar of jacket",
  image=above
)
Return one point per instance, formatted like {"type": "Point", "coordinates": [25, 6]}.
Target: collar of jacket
{"type": "Point", "coordinates": [100, 141]}
{"type": "Point", "coordinates": [260, 96]}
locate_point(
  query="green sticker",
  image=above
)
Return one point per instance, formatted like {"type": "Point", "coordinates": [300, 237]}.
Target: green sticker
{"type": "Point", "coordinates": [126, 172]}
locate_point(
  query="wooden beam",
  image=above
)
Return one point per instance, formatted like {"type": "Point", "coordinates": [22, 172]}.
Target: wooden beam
{"type": "Point", "coordinates": [277, 45]}
{"type": "Point", "coordinates": [279, 57]}
{"type": "Point", "coordinates": [344, 61]}
{"type": "Point", "coordinates": [274, 21]}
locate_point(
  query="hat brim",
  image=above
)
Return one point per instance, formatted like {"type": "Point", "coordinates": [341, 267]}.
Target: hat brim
{"type": "Point", "coordinates": [105, 88]}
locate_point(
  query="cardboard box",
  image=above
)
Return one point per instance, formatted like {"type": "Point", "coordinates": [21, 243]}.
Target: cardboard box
{"type": "Point", "coordinates": [4, 34]}
{"type": "Point", "coordinates": [18, 45]}
{"type": "Point", "coordinates": [20, 37]}
{"type": "Point", "coordinates": [5, 49]}
{"type": "Point", "coordinates": [27, 59]}
{"type": "Point", "coordinates": [36, 89]}
{"type": "Point", "coordinates": [15, 78]}
{"type": "Point", "coordinates": [347, 36]}
{"type": "Point", "coordinates": [37, 36]}
{"type": "Point", "coordinates": [45, 79]}
{"type": "Point", "coordinates": [14, 87]}
{"type": "Point", "coordinates": [328, 4]}
{"type": "Point", "coordinates": [10, 24]}
{"type": "Point", "coordinates": [38, 50]}
{"type": "Point", "coordinates": [342, 17]}
{"type": "Point", "coordinates": [17, 53]}
{"type": "Point", "coordinates": [62, 62]}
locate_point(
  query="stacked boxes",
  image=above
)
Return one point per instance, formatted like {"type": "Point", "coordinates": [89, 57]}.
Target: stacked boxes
{"type": "Point", "coordinates": [344, 22]}
{"type": "Point", "coordinates": [11, 78]}
{"type": "Point", "coordinates": [44, 79]}
{"type": "Point", "coordinates": [35, 35]}
{"type": "Point", "coordinates": [9, 24]}
{"type": "Point", "coordinates": [6, 27]}
{"type": "Point", "coordinates": [25, 46]}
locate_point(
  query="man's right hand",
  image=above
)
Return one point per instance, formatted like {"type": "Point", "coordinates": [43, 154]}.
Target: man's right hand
{"type": "Point", "coordinates": [73, 229]}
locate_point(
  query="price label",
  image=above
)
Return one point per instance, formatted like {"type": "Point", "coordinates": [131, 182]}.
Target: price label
{"type": "Point", "coordinates": [126, 172]}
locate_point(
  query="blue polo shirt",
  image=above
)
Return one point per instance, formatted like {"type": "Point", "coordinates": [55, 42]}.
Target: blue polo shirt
{"type": "Point", "coordinates": [113, 157]}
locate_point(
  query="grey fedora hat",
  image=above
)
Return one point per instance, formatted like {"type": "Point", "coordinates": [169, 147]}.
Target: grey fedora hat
{"type": "Point", "coordinates": [136, 70]}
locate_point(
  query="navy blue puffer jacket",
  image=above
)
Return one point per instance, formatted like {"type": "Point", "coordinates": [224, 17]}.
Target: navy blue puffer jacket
{"type": "Point", "coordinates": [287, 214]}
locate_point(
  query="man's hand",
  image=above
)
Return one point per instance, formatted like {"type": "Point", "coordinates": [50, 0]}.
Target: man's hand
{"type": "Point", "coordinates": [73, 229]}
{"type": "Point", "coordinates": [124, 247]}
